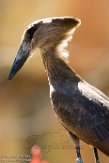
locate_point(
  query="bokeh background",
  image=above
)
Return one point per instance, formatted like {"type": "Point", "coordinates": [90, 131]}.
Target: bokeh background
{"type": "Point", "coordinates": [26, 117]}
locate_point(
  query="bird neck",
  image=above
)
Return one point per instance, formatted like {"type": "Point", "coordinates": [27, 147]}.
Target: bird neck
{"type": "Point", "coordinates": [57, 69]}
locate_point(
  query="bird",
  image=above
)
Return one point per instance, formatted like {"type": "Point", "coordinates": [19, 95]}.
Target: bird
{"type": "Point", "coordinates": [82, 109]}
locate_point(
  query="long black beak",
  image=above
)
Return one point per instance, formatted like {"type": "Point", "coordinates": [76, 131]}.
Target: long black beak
{"type": "Point", "coordinates": [22, 55]}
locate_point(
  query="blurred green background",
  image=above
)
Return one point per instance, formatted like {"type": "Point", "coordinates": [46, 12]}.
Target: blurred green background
{"type": "Point", "coordinates": [26, 117]}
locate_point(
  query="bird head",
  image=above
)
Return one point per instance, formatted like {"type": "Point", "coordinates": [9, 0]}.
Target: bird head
{"type": "Point", "coordinates": [45, 34]}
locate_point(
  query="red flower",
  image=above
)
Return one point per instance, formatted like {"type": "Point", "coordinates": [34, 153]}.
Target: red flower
{"type": "Point", "coordinates": [36, 155]}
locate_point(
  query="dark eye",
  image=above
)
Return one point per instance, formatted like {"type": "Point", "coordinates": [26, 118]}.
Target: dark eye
{"type": "Point", "coordinates": [32, 30]}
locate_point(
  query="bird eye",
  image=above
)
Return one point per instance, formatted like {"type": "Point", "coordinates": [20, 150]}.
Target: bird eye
{"type": "Point", "coordinates": [32, 30]}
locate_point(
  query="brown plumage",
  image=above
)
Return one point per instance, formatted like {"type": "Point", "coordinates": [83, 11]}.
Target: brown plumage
{"type": "Point", "coordinates": [81, 108]}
